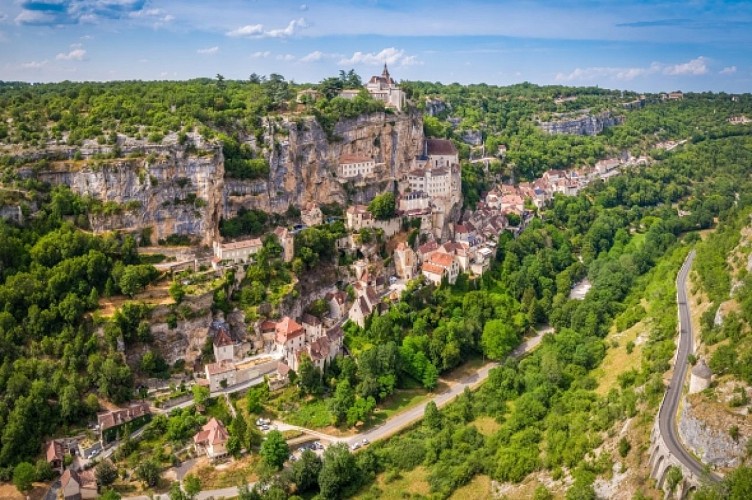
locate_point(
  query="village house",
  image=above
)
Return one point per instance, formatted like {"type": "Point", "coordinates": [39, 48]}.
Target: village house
{"type": "Point", "coordinates": [78, 485]}
{"type": "Point", "coordinates": [238, 251]}
{"type": "Point", "coordinates": [212, 439]}
{"type": "Point", "coordinates": [324, 348]}
{"type": "Point", "coordinates": [222, 342]}
{"type": "Point", "coordinates": [461, 252]}
{"type": "Point", "coordinates": [414, 201]}
{"type": "Point", "coordinates": [353, 165]}
{"type": "Point", "coordinates": [311, 215]}
{"type": "Point", "coordinates": [307, 96]}
{"type": "Point", "coordinates": [289, 338]}
{"type": "Point", "coordinates": [607, 165]}
{"type": "Point", "coordinates": [384, 88]}
{"type": "Point", "coordinates": [55, 455]}
{"type": "Point", "coordinates": [366, 301]}
{"type": "Point", "coordinates": [337, 304]}
{"type": "Point", "coordinates": [111, 423]}
{"type": "Point", "coordinates": [357, 217]}
{"type": "Point", "coordinates": [226, 374]}
{"type": "Point", "coordinates": [405, 261]}
{"type": "Point", "coordinates": [427, 249]}
{"type": "Point", "coordinates": [439, 266]}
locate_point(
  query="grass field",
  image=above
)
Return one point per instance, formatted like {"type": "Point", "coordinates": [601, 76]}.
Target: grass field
{"type": "Point", "coordinates": [391, 486]}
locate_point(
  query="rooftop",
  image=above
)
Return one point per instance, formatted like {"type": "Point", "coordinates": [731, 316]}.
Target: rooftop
{"type": "Point", "coordinates": [440, 147]}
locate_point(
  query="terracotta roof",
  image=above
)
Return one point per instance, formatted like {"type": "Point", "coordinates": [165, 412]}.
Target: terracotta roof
{"type": "Point", "coordinates": [84, 479]}
{"type": "Point", "coordinates": [441, 259]}
{"type": "Point", "coordinates": [433, 269]}
{"type": "Point", "coordinates": [280, 232]}
{"type": "Point", "coordinates": [364, 308]}
{"type": "Point", "coordinates": [268, 326]}
{"type": "Point", "coordinates": [348, 158]}
{"type": "Point", "coordinates": [211, 433]}
{"type": "Point", "coordinates": [440, 147]}
{"type": "Point", "coordinates": [335, 334]}
{"type": "Point", "coordinates": [217, 368]}
{"type": "Point", "coordinates": [235, 245]}
{"type": "Point", "coordinates": [357, 209]}
{"type": "Point", "coordinates": [339, 296]}
{"type": "Point", "coordinates": [309, 319]}
{"type": "Point", "coordinates": [319, 348]}
{"type": "Point", "coordinates": [55, 451]}
{"type": "Point", "coordinates": [118, 417]}
{"type": "Point", "coordinates": [283, 369]}
{"type": "Point", "coordinates": [372, 295]}
{"type": "Point", "coordinates": [222, 338]}
{"type": "Point", "coordinates": [428, 247]}
{"type": "Point", "coordinates": [288, 329]}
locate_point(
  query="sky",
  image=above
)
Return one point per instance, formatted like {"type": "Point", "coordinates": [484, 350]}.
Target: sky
{"type": "Point", "coordinates": [637, 45]}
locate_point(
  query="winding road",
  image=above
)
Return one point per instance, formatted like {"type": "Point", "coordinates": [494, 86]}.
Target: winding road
{"type": "Point", "coordinates": [394, 424]}
{"type": "Point", "coordinates": [667, 414]}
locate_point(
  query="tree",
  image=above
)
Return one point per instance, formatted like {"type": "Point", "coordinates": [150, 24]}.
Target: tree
{"type": "Point", "coordinates": [383, 206]}
{"type": "Point", "coordinates": [200, 394]}
{"type": "Point", "coordinates": [106, 473]}
{"type": "Point", "coordinates": [624, 447]}
{"type": "Point", "coordinates": [176, 493]}
{"type": "Point", "coordinates": [344, 398]}
{"type": "Point", "coordinates": [339, 473]}
{"type": "Point", "coordinates": [361, 411]}
{"type": "Point", "coordinates": [191, 485]}
{"type": "Point", "coordinates": [24, 475]}
{"type": "Point", "coordinates": [177, 291]}
{"type": "Point", "coordinates": [498, 338]}
{"type": "Point", "coordinates": [255, 398]}
{"type": "Point", "coordinates": [110, 495]}
{"type": "Point", "coordinates": [148, 472]}
{"type": "Point", "coordinates": [673, 477]}
{"type": "Point", "coordinates": [305, 472]}
{"type": "Point", "coordinates": [43, 470]}
{"type": "Point", "coordinates": [432, 417]}
{"type": "Point", "coordinates": [309, 376]}
{"type": "Point", "coordinates": [274, 449]}
{"type": "Point", "coordinates": [239, 431]}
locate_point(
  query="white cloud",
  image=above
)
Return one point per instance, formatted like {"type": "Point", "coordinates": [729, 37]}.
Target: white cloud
{"type": "Point", "coordinates": [698, 66]}
{"type": "Point", "coordinates": [258, 31]}
{"type": "Point", "coordinates": [390, 55]}
{"type": "Point", "coordinates": [261, 55]}
{"type": "Point", "coordinates": [34, 64]}
{"type": "Point", "coordinates": [304, 7]}
{"type": "Point", "coordinates": [209, 51]}
{"type": "Point", "coordinates": [695, 67]}
{"type": "Point", "coordinates": [77, 54]}
{"type": "Point", "coordinates": [317, 55]}
{"type": "Point", "coordinates": [285, 57]}
{"type": "Point", "coordinates": [729, 70]}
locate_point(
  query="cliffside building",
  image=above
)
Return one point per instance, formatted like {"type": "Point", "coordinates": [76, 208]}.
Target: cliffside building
{"type": "Point", "coordinates": [287, 240]}
{"type": "Point", "coordinates": [351, 166]}
{"type": "Point", "coordinates": [238, 251]}
{"type": "Point", "coordinates": [405, 261]}
{"type": "Point", "coordinates": [384, 88]}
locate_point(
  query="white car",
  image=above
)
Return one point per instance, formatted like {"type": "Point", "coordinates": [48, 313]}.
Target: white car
{"type": "Point", "coordinates": [355, 446]}
{"type": "Point", "coordinates": [365, 441]}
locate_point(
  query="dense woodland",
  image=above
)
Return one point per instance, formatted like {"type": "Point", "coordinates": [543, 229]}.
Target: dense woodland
{"type": "Point", "coordinates": [623, 235]}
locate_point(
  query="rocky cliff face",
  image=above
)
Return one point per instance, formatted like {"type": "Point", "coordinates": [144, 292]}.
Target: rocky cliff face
{"type": "Point", "coordinates": [303, 162]}
{"type": "Point", "coordinates": [170, 191]}
{"type": "Point", "coordinates": [584, 125]}
{"type": "Point", "coordinates": [704, 429]}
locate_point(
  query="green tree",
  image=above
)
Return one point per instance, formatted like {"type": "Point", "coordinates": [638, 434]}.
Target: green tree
{"type": "Point", "coordinates": [239, 430]}
{"type": "Point", "coordinates": [24, 476]}
{"type": "Point", "coordinates": [177, 291]}
{"type": "Point", "coordinates": [344, 398]}
{"type": "Point", "coordinates": [106, 473]}
{"type": "Point", "coordinates": [200, 394]}
{"type": "Point", "coordinates": [383, 206]}
{"type": "Point", "coordinates": [339, 474]}
{"type": "Point", "coordinates": [309, 376]}
{"type": "Point", "coordinates": [673, 477]}
{"type": "Point", "coordinates": [361, 410]}
{"type": "Point", "coordinates": [43, 470]}
{"type": "Point", "coordinates": [305, 472]}
{"type": "Point", "coordinates": [110, 495]}
{"type": "Point", "coordinates": [148, 472]}
{"type": "Point", "coordinates": [432, 417]}
{"type": "Point", "coordinates": [274, 449]}
{"type": "Point", "coordinates": [191, 485]}
{"type": "Point", "coordinates": [498, 338]}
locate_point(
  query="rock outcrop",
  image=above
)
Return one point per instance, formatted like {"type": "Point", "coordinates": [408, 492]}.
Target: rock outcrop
{"type": "Point", "coordinates": [583, 125]}
{"type": "Point", "coordinates": [704, 429]}
{"type": "Point", "coordinates": [172, 190]}
{"type": "Point", "coordinates": [303, 161]}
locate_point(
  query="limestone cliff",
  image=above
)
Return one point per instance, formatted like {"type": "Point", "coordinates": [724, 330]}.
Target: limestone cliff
{"type": "Point", "coordinates": [170, 191]}
{"type": "Point", "coordinates": [303, 161]}
{"type": "Point", "coordinates": [581, 125]}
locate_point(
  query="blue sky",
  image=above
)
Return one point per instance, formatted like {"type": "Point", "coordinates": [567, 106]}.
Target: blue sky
{"type": "Point", "coordinates": [640, 45]}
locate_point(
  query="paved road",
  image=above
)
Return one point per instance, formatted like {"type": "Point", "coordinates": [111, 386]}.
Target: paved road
{"type": "Point", "coordinates": [406, 418]}
{"type": "Point", "coordinates": [667, 414]}
{"type": "Point", "coordinates": [393, 425]}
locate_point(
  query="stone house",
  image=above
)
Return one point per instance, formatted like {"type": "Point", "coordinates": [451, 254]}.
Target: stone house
{"type": "Point", "coordinates": [405, 261]}
{"type": "Point", "coordinates": [439, 266]}
{"type": "Point", "coordinates": [353, 165]}
{"type": "Point", "coordinates": [337, 304]}
{"type": "Point", "coordinates": [238, 251]}
{"type": "Point", "coordinates": [212, 439]}
{"type": "Point", "coordinates": [78, 485]}
{"type": "Point", "coordinates": [287, 240]}
{"type": "Point", "coordinates": [111, 422]}
{"type": "Point", "coordinates": [384, 88]}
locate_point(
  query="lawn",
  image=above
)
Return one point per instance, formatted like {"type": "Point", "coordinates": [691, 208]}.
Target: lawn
{"type": "Point", "coordinates": [312, 414]}
{"type": "Point", "coordinates": [217, 408]}
{"type": "Point", "coordinates": [396, 486]}
{"type": "Point", "coordinates": [233, 473]}
{"type": "Point", "coordinates": [486, 425]}
{"type": "Point", "coordinates": [478, 487]}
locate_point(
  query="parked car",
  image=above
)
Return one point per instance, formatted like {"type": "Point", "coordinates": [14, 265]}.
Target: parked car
{"type": "Point", "coordinates": [355, 446]}
{"type": "Point", "coordinates": [365, 441]}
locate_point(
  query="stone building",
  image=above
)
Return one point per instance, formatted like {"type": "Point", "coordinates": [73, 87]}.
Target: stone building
{"type": "Point", "coordinates": [384, 88]}
{"type": "Point", "coordinates": [700, 377]}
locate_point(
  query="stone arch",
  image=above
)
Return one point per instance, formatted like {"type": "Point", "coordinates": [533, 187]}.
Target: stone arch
{"type": "Point", "coordinates": [657, 466]}
{"type": "Point", "coordinates": [661, 477]}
